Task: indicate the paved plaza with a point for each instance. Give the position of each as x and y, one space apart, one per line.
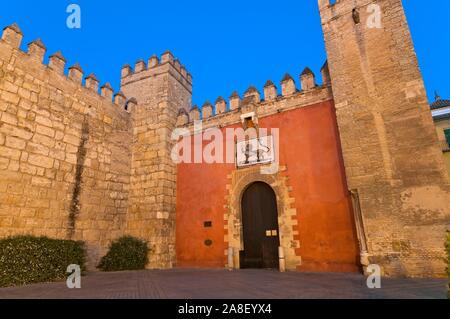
242 284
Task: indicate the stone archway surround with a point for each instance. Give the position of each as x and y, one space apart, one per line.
239 180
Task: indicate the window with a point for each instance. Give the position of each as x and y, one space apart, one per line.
447 136
248 123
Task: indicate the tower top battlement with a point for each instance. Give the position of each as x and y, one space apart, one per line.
332 9
156 65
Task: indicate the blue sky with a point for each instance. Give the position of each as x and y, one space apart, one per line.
226 45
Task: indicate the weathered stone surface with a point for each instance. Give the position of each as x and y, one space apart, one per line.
41 130
160 92
391 154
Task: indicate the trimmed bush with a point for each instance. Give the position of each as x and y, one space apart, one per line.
126 253
28 259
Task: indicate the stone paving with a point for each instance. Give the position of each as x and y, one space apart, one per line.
217 284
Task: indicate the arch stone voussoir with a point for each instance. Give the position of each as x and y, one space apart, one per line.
239 180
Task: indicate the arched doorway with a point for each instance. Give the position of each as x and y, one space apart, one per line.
260 227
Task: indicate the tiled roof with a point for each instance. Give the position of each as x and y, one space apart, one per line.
439 104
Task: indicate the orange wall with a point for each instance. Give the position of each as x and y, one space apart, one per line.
309 147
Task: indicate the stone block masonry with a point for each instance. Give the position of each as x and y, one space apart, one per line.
161 89
77 164
391 153
64 151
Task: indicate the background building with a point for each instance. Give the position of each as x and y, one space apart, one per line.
440 110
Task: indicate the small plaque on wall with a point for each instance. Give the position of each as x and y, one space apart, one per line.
207 224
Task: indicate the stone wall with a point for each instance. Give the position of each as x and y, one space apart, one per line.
161 88
64 150
391 153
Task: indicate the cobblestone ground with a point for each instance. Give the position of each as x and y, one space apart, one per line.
243 284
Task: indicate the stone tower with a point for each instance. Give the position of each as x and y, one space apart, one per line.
160 88
392 157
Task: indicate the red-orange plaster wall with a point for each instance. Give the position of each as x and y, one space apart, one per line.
310 149
201 195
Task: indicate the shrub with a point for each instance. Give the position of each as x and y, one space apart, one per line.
28 259
126 253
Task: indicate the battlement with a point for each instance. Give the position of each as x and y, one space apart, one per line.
156 65
12 36
332 9
270 101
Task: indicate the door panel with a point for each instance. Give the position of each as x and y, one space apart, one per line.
260 225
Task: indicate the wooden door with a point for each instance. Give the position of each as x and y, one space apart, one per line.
260 227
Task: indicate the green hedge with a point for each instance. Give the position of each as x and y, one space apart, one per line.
29 259
126 253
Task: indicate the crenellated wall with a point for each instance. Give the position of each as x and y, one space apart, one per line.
222 113
64 149
161 90
315 217
80 162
